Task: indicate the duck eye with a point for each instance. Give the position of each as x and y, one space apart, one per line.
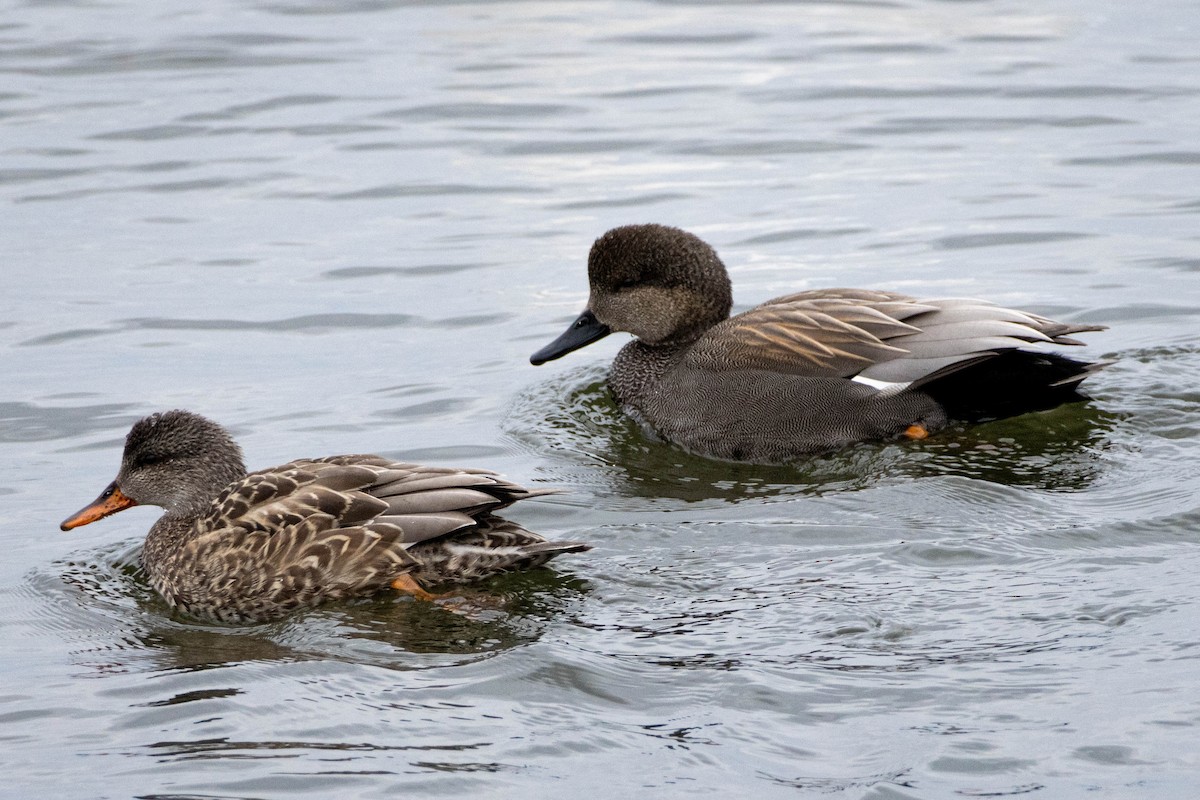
150 459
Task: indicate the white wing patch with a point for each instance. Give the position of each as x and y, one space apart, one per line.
883 386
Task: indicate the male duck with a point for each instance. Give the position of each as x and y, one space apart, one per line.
237 547
808 371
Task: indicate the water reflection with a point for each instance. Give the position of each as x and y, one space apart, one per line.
227 748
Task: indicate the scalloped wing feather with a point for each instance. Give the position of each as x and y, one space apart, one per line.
884 336
827 333
330 528
260 574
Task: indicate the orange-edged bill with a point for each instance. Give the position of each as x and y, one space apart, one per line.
110 501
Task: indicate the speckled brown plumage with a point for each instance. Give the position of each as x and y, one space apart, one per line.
808 371
238 547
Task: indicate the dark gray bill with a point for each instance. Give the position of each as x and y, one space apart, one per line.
583 331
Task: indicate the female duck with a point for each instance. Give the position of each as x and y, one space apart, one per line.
237 547
808 371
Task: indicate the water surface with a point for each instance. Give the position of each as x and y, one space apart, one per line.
344 228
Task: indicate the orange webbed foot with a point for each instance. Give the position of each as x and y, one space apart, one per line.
407 584
471 605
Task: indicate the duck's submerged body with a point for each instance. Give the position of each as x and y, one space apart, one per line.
805 372
753 414
237 547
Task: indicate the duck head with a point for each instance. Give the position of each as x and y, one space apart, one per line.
662 284
176 460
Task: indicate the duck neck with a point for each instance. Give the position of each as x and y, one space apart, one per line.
178 525
638 368
166 538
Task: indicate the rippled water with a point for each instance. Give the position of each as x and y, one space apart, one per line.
343 227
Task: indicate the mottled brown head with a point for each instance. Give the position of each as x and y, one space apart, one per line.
176 460
661 284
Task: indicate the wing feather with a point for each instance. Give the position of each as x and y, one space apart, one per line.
328 528
828 333
884 336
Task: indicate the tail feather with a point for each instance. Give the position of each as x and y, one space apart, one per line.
1089 369
1009 383
556 548
1058 331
